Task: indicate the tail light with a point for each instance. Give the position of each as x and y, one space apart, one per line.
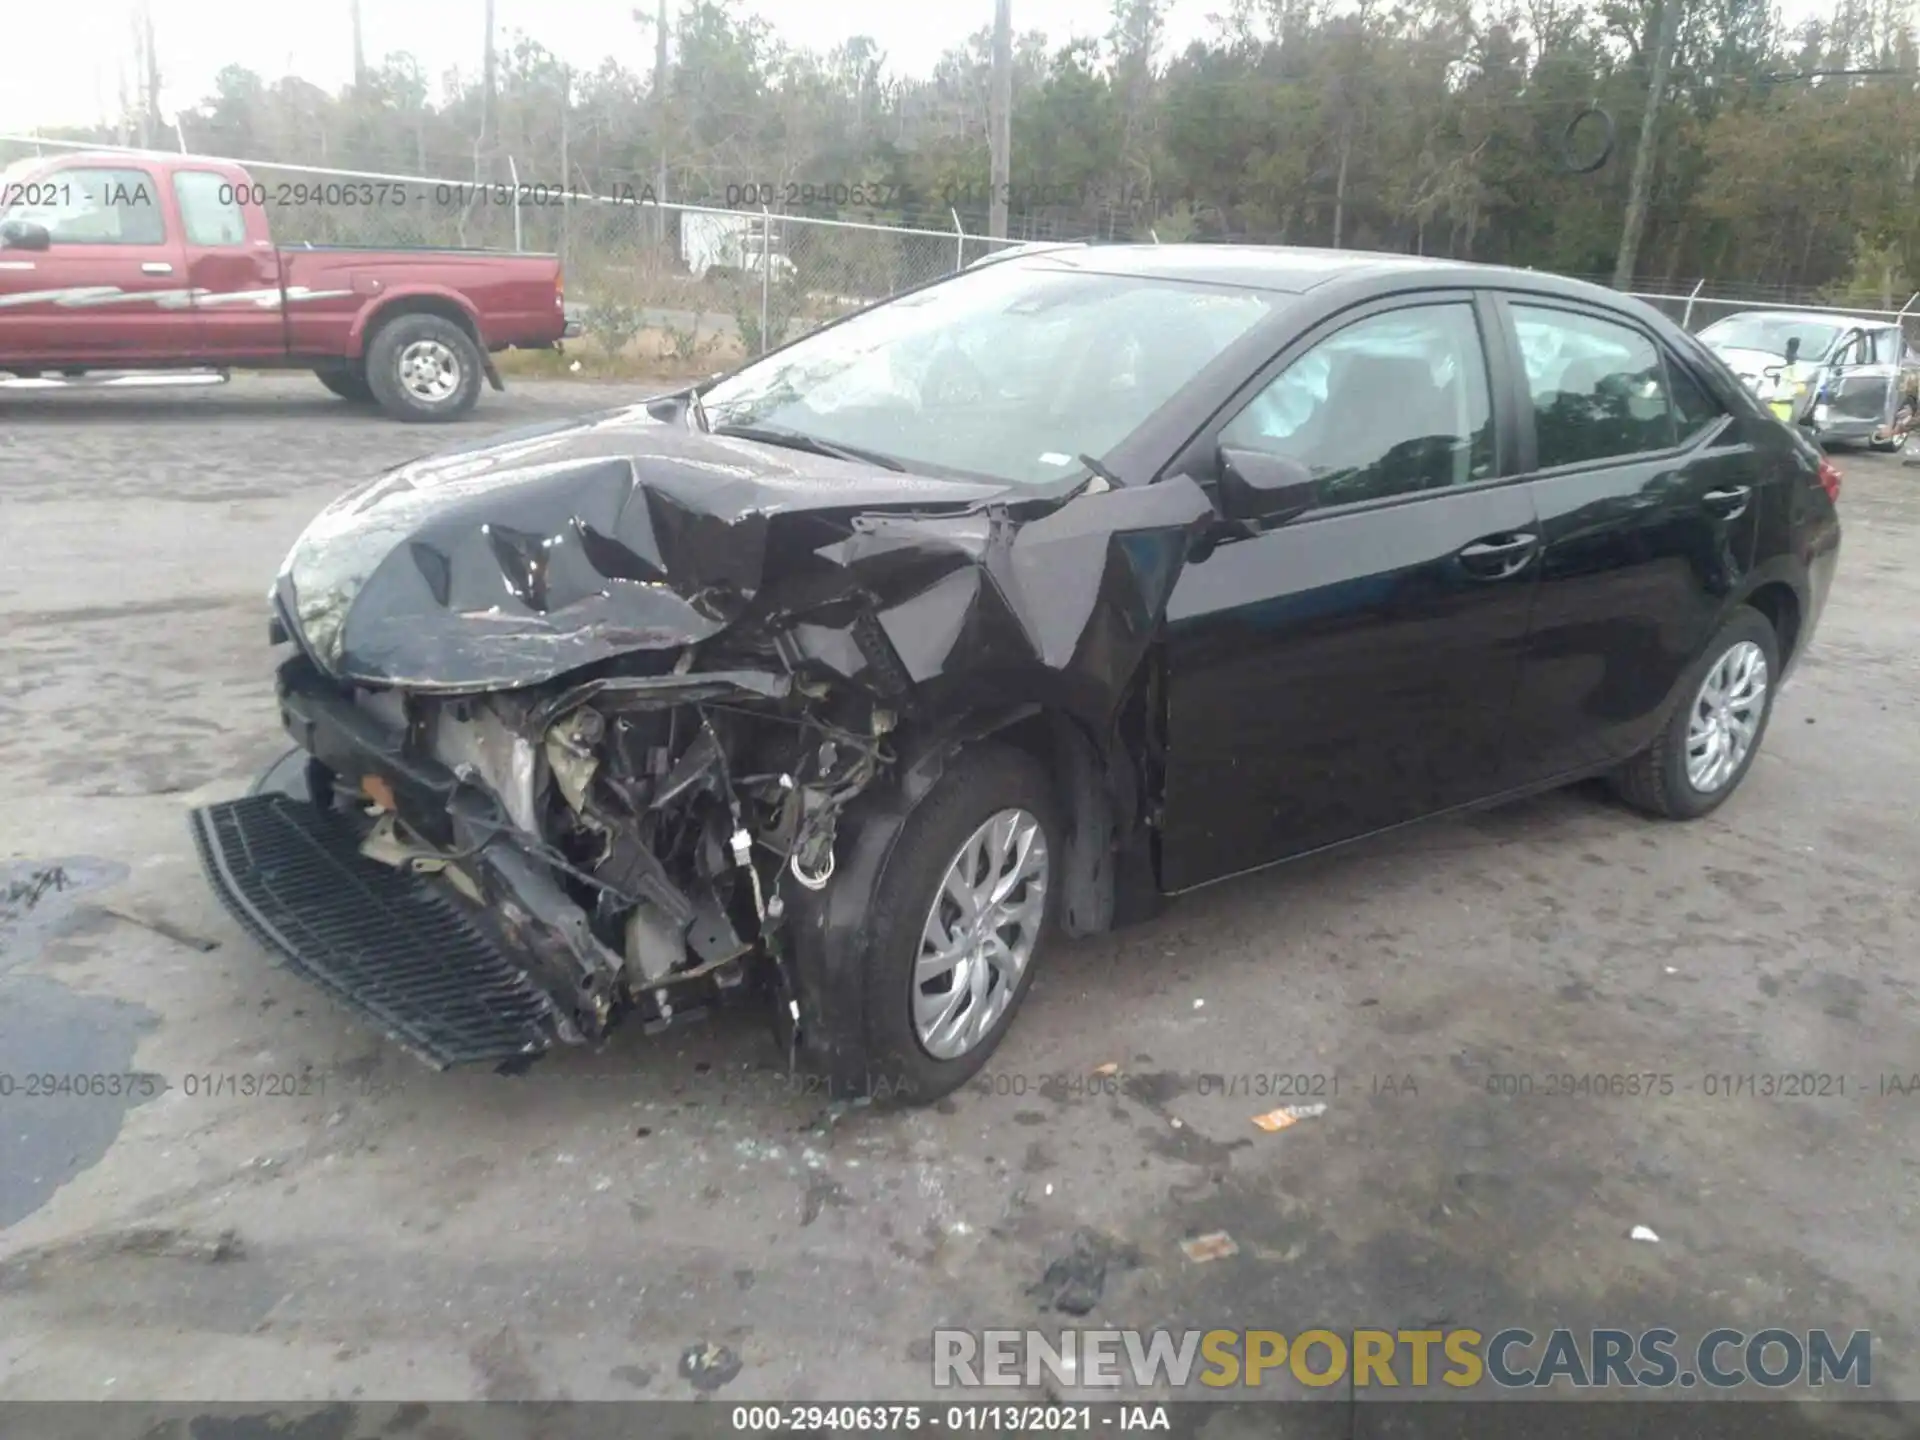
1830 478
559 291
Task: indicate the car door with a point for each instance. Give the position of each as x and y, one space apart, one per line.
231 266
1645 489
1352 668
1857 389
110 286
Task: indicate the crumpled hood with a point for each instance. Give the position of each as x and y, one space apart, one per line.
532 554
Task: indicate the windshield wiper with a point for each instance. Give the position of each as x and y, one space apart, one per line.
795 440
1106 477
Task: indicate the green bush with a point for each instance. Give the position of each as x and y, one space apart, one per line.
613 324
784 302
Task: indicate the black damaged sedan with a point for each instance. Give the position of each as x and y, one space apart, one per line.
1009 606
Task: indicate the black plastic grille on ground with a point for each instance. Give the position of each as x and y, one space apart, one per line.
380 940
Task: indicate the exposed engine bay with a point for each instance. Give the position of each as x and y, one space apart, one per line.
671 809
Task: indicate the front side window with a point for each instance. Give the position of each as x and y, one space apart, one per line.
1599 388
1853 350
1389 405
89 206
209 212
1012 372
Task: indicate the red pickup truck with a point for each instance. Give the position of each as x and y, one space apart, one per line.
129 262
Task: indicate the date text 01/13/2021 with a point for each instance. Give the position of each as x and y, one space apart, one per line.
144 1085
1012 1419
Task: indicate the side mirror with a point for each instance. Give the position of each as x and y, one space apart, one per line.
24 235
1267 488
1793 349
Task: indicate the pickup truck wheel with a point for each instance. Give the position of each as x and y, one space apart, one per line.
961 912
424 369
347 381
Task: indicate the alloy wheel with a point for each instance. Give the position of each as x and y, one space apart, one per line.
1726 715
980 934
429 370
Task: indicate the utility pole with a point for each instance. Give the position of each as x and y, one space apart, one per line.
147 62
1639 188
359 49
660 123
1000 138
489 82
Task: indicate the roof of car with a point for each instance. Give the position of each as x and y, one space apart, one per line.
1810 315
1289 269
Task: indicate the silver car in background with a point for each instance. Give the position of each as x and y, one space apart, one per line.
1843 377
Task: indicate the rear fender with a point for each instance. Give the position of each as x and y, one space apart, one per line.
413 299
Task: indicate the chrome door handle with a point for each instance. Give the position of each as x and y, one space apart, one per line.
155 267
1729 503
1498 556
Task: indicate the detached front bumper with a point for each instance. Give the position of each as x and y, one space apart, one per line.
453 981
390 945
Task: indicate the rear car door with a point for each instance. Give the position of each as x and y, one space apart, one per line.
232 266
110 286
1351 668
1646 492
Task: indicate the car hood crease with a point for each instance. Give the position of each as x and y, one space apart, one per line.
514 562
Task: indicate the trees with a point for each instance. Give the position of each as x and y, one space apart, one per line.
1426 125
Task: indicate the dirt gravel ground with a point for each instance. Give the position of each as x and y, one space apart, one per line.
387 1232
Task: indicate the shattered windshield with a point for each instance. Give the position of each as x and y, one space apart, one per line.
1770 334
1006 372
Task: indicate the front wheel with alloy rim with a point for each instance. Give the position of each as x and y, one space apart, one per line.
961 914
424 368
1708 744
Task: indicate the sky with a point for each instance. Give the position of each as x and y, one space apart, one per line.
49 77
60 62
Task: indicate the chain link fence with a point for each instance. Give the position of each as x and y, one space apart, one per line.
691 284
1704 304
679 283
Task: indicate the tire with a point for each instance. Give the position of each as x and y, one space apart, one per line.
349 382
1656 780
983 782
406 341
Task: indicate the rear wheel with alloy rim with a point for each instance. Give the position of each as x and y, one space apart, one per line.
1708 744
961 915
424 368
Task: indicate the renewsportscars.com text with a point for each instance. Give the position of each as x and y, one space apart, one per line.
1457 1358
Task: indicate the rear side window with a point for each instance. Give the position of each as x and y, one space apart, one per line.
1599 388
89 206
1886 347
209 212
